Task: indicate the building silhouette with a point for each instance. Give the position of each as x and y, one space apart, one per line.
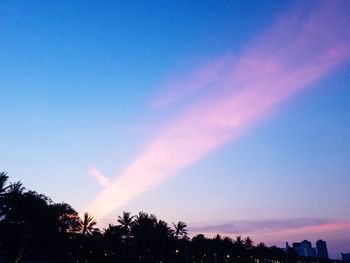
345 257
305 249
322 249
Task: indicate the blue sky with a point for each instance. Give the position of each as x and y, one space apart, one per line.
77 86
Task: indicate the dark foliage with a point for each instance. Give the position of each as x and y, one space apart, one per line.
33 228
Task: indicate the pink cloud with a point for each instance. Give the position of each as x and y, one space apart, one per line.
297 51
199 79
102 180
275 227
326 227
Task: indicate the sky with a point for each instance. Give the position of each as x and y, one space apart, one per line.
232 116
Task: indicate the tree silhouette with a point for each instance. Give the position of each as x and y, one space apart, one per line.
3 188
35 229
261 251
13 202
67 219
125 222
248 243
180 229
16 188
3 180
239 241
87 224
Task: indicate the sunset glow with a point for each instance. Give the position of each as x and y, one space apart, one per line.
229 117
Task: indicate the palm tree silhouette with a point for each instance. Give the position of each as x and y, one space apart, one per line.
3 188
3 180
16 188
248 243
33 227
126 222
12 200
239 246
180 229
87 224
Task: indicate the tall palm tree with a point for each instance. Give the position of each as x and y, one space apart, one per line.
87 224
180 229
125 220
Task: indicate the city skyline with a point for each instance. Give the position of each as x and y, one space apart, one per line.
233 116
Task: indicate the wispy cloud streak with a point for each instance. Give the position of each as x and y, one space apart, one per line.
102 180
302 47
248 227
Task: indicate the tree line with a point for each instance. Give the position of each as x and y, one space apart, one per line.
34 228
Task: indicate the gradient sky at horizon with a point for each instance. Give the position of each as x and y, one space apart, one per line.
78 83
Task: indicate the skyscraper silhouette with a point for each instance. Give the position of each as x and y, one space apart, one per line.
322 249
